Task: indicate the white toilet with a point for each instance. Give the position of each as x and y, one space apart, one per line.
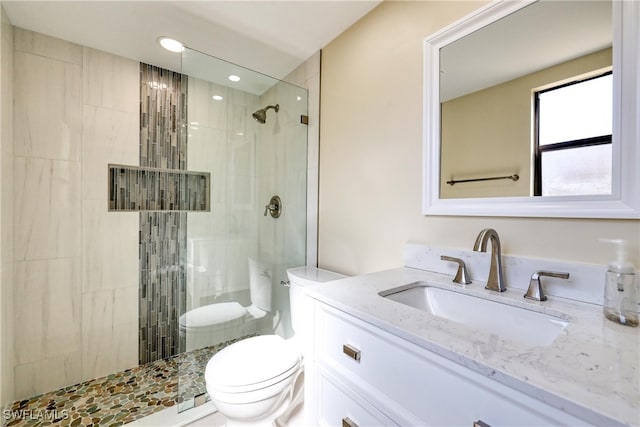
215 323
252 382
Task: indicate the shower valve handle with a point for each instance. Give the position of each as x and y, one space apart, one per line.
274 207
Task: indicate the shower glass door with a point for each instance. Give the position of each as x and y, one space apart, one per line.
245 129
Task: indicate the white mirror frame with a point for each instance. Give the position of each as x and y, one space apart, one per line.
624 203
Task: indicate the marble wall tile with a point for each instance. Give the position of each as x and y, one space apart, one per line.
110 81
47 107
109 248
109 331
208 153
108 136
6 211
6 195
49 374
203 109
239 250
307 75
237 116
238 97
206 268
208 224
47 315
50 47
46 209
282 169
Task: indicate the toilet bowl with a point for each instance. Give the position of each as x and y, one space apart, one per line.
219 322
254 381
265 384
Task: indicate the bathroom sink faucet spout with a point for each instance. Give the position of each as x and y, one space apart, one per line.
495 282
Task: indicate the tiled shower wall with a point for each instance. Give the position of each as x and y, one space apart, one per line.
282 170
307 75
223 142
76 265
163 235
6 210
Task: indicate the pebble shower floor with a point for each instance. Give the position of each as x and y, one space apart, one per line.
119 398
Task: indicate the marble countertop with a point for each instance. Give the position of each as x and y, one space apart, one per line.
590 371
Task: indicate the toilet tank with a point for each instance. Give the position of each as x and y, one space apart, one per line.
299 279
260 284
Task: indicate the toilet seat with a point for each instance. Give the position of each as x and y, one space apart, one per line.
252 364
212 314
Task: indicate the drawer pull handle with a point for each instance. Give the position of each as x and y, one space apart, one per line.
352 352
480 423
348 422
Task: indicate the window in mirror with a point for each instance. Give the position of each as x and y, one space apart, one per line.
573 138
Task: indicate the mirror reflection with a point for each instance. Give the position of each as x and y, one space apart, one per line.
526 104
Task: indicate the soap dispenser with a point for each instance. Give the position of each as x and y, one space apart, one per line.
620 288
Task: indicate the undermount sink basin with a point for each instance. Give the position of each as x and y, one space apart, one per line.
504 320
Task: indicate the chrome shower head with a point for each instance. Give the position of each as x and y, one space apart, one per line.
261 115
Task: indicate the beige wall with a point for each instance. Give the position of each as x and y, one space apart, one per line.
6 211
371 155
498 128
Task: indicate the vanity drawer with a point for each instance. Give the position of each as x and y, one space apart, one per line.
340 406
409 383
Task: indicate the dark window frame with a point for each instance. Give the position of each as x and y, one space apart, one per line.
563 145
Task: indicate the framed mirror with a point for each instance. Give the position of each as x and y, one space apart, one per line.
491 154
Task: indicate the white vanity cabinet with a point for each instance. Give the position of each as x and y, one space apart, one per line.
361 375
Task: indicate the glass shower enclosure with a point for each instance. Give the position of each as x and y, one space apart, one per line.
248 131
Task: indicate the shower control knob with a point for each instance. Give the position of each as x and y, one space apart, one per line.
274 207
285 284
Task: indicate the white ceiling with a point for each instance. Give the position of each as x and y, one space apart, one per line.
543 34
272 37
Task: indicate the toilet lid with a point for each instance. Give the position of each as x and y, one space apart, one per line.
212 314
252 363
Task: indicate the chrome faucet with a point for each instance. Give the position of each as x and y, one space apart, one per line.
462 276
535 291
495 282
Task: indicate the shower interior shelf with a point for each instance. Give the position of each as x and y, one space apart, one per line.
136 188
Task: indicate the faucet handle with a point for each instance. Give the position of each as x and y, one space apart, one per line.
462 276
535 291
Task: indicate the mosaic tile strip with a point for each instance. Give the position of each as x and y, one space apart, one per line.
119 398
147 189
163 118
163 235
163 256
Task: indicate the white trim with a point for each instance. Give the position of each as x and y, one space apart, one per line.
624 203
170 417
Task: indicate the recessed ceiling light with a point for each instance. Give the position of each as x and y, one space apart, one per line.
234 78
299 98
218 97
171 44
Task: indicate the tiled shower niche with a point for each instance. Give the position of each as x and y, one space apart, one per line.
148 189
